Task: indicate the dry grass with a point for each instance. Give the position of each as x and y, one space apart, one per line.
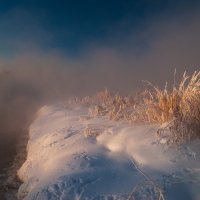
116 107
180 107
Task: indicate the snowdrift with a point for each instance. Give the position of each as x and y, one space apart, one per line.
75 156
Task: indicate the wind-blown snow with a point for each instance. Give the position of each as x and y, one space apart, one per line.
63 162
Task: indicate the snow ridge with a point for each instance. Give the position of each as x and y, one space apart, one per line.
65 161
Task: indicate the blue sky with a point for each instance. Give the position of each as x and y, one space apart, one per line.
72 26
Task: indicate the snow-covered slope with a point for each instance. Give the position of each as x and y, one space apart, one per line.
65 162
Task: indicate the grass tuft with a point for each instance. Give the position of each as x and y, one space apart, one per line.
178 108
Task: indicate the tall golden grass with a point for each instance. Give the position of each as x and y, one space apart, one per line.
179 107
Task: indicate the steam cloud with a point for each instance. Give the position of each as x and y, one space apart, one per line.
35 77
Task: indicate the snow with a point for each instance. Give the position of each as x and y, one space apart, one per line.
65 161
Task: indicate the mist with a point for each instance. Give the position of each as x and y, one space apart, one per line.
34 77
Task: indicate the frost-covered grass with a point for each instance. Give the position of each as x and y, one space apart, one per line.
178 109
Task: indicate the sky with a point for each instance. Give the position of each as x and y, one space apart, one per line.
70 27
51 50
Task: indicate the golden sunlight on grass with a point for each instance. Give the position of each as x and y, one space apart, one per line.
178 109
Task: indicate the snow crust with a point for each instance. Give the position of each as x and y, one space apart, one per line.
65 162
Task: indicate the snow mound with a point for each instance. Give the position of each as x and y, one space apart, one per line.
66 161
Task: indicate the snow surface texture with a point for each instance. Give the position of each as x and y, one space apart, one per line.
65 162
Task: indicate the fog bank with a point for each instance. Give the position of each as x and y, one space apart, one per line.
33 77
